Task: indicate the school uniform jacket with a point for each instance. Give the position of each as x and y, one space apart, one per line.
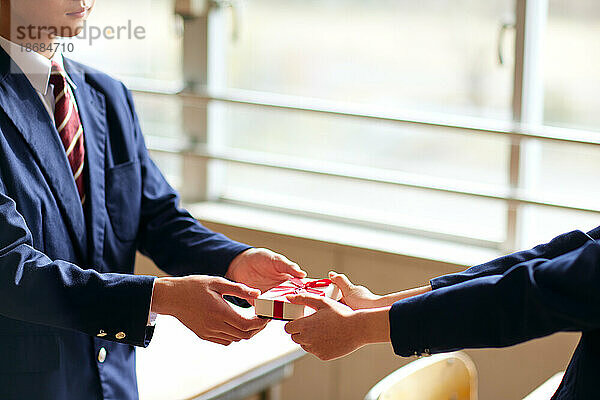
66 283
529 294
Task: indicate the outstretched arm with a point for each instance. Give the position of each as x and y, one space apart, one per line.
40 290
358 297
532 299
112 306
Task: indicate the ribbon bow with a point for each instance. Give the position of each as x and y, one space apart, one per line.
298 286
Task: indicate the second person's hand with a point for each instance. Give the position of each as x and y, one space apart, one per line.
197 301
335 330
359 297
354 296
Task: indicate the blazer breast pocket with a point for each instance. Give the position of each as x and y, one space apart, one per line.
29 353
124 198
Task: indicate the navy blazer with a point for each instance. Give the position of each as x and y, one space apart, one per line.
529 294
66 283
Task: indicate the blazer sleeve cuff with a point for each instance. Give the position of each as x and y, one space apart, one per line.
127 321
594 234
406 324
442 281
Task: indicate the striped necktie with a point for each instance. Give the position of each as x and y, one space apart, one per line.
68 125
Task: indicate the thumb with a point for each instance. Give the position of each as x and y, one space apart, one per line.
295 270
314 302
225 287
342 282
291 268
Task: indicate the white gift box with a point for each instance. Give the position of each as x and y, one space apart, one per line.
274 303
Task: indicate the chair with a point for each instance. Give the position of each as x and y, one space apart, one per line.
450 376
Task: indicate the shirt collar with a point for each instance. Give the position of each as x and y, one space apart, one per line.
35 66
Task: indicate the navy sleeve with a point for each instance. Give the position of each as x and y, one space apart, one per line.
559 245
532 299
168 234
594 233
36 289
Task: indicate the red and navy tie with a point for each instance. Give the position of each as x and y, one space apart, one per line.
68 124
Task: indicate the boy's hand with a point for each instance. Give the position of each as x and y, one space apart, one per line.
197 301
262 269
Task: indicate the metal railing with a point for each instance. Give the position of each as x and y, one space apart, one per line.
378 175
361 173
200 97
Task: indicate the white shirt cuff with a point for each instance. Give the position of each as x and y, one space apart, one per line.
151 315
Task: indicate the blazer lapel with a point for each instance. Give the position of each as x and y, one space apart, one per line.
25 109
92 111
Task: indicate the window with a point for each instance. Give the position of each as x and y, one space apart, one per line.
428 55
571 64
462 120
152 61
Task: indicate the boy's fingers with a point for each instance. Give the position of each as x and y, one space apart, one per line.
225 287
219 341
296 338
296 271
291 268
244 324
293 327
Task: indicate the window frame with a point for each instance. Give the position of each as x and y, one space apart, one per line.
205 158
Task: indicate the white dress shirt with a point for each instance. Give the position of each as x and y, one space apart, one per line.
37 69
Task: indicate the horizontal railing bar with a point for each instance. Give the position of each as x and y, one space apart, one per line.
151 86
174 145
363 174
465 240
361 111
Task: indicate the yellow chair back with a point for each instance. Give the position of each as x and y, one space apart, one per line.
450 376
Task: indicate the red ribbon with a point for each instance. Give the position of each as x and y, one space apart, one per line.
298 286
